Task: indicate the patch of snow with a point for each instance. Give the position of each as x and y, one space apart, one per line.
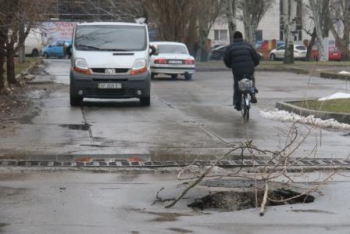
286 116
335 96
344 72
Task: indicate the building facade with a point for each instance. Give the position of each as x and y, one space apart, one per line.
270 27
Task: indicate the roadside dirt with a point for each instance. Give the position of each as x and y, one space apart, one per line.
13 103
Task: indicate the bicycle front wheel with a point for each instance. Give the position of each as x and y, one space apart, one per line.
245 114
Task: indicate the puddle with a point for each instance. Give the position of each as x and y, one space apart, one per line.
312 211
180 230
237 200
162 216
2 225
27 118
80 127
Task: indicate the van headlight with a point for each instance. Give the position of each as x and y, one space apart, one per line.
81 66
139 66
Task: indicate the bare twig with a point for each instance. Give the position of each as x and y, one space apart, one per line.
199 179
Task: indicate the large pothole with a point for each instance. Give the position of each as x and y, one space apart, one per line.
241 194
234 200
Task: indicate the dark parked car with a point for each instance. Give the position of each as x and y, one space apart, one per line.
217 53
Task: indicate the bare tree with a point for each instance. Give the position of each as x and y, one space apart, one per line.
106 10
186 21
231 8
340 24
207 13
14 15
171 17
252 13
320 16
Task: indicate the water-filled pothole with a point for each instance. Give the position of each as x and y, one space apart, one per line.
81 127
240 200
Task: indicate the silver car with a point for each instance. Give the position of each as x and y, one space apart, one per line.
278 53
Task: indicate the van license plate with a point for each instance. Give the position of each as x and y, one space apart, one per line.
109 85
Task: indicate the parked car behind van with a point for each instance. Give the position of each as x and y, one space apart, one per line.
33 43
56 48
173 59
110 60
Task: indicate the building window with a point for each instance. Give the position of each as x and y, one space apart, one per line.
259 35
220 35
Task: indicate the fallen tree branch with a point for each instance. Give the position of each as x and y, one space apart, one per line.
199 179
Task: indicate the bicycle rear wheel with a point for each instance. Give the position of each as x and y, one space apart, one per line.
245 114
245 107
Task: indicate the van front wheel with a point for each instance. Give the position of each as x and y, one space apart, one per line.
75 101
145 101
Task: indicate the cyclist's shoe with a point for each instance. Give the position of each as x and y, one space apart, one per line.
238 108
253 100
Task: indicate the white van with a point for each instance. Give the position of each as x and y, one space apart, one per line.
110 60
33 43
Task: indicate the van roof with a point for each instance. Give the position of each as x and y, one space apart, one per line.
112 23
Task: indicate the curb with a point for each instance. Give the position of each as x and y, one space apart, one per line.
340 117
330 75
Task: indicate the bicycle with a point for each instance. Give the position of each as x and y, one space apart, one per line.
246 87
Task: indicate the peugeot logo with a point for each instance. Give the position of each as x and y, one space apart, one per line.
109 71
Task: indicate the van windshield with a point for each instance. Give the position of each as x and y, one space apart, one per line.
110 37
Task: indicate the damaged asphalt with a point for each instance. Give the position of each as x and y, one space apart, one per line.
85 200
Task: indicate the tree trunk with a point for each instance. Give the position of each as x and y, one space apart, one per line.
345 54
249 27
21 52
316 11
231 17
288 43
10 65
2 59
191 40
2 78
311 44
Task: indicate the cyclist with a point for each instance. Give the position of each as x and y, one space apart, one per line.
242 58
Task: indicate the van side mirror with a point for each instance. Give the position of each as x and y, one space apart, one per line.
153 50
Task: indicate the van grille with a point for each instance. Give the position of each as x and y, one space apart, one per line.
117 70
110 92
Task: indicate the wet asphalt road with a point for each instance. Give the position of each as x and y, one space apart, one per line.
186 119
93 203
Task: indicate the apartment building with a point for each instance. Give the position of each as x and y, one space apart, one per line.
270 27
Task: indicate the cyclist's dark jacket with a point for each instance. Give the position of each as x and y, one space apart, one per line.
241 57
